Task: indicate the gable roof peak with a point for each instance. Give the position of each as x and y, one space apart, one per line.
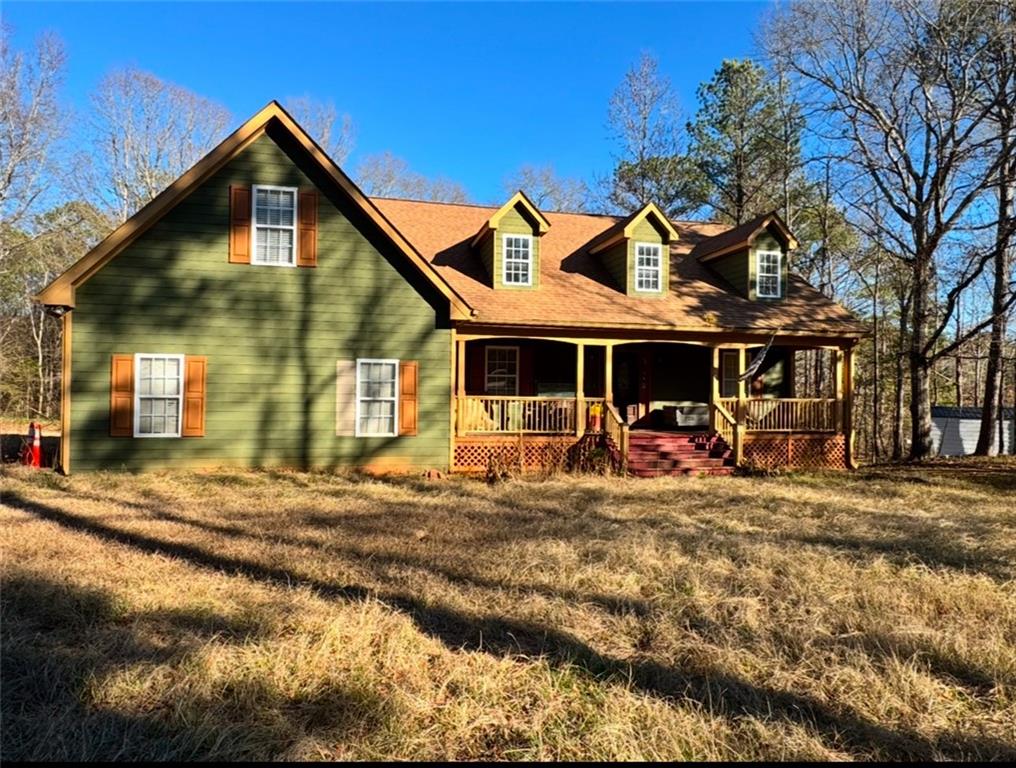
743 236
518 200
61 291
624 229
652 210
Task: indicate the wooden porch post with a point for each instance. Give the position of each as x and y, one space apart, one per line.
580 388
608 373
742 408
838 380
460 384
848 406
714 390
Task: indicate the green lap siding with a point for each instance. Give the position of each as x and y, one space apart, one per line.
734 268
621 261
514 223
738 268
616 261
272 335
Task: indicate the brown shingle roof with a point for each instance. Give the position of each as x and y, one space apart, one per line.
740 236
575 290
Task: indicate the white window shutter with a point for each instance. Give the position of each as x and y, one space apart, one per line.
345 398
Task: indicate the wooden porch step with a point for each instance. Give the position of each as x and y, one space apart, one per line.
659 454
672 461
682 472
715 452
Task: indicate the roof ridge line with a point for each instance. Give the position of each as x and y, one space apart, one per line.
494 207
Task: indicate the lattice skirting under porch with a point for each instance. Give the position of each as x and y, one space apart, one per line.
558 453
526 454
795 451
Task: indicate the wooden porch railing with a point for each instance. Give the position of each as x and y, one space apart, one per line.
617 431
726 418
489 414
791 415
764 414
733 418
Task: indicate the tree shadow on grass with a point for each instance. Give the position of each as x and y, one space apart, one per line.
950 668
713 689
904 537
989 475
62 642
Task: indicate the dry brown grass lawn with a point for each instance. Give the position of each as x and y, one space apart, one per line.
231 615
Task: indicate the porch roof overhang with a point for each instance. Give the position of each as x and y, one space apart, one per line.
635 333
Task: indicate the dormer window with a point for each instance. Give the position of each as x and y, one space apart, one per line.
508 244
274 226
518 259
750 257
767 274
648 267
636 252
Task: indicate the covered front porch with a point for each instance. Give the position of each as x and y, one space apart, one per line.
543 395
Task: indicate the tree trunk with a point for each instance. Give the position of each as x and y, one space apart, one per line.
958 367
898 400
1001 410
990 413
920 362
876 406
920 409
39 336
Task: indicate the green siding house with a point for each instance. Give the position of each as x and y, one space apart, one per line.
262 311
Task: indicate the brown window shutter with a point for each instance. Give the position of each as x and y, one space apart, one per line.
121 396
239 225
195 369
408 399
306 253
345 398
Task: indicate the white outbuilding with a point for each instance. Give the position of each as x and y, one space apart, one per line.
954 430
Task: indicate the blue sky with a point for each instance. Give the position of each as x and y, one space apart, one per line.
466 90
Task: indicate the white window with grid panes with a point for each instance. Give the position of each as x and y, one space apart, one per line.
648 266
517 257
377 388
274 232
767 274
158 395
501 371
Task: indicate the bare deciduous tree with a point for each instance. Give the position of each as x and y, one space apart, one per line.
31 124
387 175
898 84
1001 91
31 121
146 132
330 129
29 337
548 190
652 165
